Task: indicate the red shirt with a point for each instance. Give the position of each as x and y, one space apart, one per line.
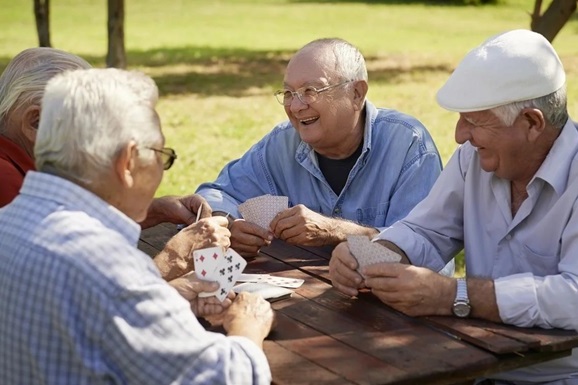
14 163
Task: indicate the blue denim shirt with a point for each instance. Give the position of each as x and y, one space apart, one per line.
398 165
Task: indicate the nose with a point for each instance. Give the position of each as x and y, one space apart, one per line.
463 131
297 105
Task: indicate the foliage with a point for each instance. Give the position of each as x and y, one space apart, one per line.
218 62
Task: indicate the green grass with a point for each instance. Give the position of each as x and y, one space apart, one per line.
218 62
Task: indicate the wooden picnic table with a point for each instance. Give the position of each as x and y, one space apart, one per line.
325 337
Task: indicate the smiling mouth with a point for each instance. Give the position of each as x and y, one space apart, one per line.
308 121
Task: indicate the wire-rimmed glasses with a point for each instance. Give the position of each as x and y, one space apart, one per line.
307 95
168 156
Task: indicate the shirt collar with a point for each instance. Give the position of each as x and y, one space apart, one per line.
556 167
16 155
73 197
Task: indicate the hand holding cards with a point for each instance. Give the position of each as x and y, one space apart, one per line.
211 264
368 253
261 210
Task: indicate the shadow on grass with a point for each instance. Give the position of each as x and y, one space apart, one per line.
208 71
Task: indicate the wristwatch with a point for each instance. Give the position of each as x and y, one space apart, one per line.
461 307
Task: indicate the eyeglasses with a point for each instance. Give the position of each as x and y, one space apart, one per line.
168 156
307 95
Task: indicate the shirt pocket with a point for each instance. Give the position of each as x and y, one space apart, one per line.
373 216
539 264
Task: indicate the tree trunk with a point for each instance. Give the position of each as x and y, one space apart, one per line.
116 56
555 17
41 14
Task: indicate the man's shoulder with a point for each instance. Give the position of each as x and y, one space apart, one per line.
391 125
385 116
280 137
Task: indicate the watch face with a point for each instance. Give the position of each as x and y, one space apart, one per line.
461 309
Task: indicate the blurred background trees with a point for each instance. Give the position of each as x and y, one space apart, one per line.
549 23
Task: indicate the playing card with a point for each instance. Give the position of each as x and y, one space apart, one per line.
226 274
206 261
292 283
262 209
269 292
251 277
368 253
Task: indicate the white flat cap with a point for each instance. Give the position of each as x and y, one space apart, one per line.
510 67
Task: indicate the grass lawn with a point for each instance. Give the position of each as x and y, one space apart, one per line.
218 62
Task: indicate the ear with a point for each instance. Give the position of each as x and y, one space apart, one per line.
125 162
30 120
359 92
535 122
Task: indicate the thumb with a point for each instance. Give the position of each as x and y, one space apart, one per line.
205 286
221 221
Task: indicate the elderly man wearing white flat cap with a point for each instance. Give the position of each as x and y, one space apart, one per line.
508 196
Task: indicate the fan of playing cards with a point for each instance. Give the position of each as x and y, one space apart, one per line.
211 264
368 253
261 210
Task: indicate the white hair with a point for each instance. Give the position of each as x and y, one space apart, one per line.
24 79
553 106
88 116
349 62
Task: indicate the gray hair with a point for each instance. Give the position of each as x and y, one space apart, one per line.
349 62
25 77
553 106
88 116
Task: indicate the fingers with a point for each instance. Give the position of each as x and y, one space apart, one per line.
189 286
247 238
281 216
342 271
285 224
206 210
211 306
217 221
385 269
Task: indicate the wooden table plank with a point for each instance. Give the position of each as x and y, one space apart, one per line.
291 368
324 337
500 338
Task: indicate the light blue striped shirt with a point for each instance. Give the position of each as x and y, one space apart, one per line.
80 304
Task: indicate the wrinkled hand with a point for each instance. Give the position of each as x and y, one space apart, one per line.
415 291
176 258
342 271
189 287
302 226
207 232
247 238
176 210
249 315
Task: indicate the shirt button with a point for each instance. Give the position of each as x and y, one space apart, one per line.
337 211
508 237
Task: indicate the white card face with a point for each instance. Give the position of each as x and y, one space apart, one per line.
261 210
292 283
206 261
251 277
226 273
269 292
368 253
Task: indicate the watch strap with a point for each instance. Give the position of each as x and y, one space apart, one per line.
462 291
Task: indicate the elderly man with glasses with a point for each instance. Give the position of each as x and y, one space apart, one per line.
79 302
346 166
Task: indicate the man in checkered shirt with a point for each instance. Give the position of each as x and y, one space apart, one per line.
79 303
